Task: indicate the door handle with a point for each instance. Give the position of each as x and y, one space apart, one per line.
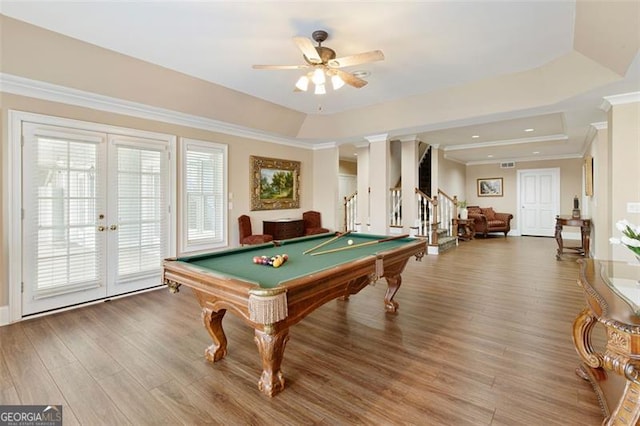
101 228
113 227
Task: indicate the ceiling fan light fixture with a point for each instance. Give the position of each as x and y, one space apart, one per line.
303 83
318 77
336 82
320 89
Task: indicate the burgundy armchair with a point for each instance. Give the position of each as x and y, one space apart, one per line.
313 223
247 236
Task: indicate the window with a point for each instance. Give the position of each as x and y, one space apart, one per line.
204 195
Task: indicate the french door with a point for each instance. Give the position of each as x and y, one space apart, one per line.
96 212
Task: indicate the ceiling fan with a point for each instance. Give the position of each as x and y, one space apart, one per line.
323 62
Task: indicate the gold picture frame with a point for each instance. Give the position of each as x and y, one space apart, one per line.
490 187
275 183
588 176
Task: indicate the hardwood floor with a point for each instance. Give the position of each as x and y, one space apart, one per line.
482 337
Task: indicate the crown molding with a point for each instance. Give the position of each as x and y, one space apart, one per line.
52 92
489 144
522 159
624 98
326 145
383 137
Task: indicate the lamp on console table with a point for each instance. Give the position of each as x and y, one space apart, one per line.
576 208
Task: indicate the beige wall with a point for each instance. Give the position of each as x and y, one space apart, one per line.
570 184
326 186
348 167
239 151
35 53
4 244
598 206
624 173
452 177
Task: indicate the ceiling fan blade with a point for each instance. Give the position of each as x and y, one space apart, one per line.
351 79
308 49
279 67
360 58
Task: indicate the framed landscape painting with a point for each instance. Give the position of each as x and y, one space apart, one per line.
490 187
275 183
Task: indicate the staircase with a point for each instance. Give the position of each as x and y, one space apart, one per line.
432 220
446 242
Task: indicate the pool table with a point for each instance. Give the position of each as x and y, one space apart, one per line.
273 299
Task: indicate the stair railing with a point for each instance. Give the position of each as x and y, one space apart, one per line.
395 198
427 221
433 213
448 210
350 212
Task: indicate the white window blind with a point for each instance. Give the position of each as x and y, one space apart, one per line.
141 217
204 207
65 197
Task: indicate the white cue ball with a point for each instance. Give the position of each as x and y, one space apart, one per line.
349 242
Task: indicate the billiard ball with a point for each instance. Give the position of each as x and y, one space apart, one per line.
350 242
257 259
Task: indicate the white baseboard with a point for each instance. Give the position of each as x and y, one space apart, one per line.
4 315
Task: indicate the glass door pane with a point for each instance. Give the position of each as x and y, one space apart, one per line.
138 206
63 186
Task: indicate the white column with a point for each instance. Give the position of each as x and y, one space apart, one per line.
409 169
363 187
379 183
598 204
325 185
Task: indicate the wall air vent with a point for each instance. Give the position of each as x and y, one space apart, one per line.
508 165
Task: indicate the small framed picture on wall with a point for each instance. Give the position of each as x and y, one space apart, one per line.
490 187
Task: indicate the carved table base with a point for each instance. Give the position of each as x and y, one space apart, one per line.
614 372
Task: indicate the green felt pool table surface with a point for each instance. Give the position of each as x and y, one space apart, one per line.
238 263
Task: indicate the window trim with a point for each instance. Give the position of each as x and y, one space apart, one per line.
184 246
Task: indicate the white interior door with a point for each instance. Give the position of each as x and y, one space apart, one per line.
539 195
95 215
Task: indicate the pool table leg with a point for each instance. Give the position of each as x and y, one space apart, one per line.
393 285
213 323
271 348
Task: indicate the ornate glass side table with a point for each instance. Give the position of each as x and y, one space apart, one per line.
612 292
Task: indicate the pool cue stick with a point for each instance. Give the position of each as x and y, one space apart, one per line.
326 242
360 245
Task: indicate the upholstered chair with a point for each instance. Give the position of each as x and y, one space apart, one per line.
486 220
246 235
313 223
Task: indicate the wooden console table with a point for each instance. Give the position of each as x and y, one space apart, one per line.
466 228
612 292
283 229
585 234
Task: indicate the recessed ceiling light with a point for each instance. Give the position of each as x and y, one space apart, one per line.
529 130
475 136
536 152
490 155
